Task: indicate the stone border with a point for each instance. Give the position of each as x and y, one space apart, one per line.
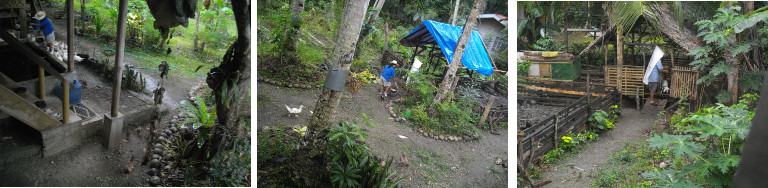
426 134
285 84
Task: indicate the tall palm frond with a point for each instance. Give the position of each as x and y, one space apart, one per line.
624 14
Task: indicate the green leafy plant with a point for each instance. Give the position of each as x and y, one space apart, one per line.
725 46
353 166
522 68
202 116
601 120
706 145
546 43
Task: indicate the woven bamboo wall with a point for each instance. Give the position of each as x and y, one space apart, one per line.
632 82
683 81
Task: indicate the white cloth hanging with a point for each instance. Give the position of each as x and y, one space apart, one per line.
655 57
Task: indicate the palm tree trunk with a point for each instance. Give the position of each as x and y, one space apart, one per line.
619 55
310 160
455 10
449 77
288 51
368 24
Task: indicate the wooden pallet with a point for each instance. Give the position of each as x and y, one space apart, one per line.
632 82
683 81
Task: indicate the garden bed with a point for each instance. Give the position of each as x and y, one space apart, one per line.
542 134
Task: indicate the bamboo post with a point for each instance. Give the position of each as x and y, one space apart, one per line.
619 56
65 100
487 109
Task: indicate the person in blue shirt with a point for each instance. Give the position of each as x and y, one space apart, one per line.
43 23
654 79
386 77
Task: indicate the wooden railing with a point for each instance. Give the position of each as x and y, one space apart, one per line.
535 141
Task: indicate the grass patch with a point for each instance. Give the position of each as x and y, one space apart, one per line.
624 166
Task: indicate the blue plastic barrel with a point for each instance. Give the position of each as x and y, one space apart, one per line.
75 94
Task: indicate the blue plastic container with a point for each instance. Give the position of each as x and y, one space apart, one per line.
75 93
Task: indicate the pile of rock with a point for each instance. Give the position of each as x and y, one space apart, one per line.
447 137
286 84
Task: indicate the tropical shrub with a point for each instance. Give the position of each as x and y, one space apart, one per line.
351 163
707 147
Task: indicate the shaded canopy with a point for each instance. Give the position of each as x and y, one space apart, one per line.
446 36
666 23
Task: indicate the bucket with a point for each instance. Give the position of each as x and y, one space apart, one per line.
75 92
335 79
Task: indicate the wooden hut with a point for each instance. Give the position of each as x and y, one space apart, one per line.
639 42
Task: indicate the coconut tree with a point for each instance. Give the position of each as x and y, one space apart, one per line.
288 50
310 160
450 75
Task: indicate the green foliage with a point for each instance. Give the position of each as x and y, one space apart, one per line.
279 144
546 43
706 145
720 33
522 68
352 165
232 167
569 144
602 121
202 116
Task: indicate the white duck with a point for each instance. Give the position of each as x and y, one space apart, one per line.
294 111
665 86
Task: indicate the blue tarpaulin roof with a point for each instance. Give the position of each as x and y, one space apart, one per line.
447 36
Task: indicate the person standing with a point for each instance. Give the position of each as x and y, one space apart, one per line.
386 77
654 79
42 22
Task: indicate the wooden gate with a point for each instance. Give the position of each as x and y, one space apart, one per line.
631 82
683 82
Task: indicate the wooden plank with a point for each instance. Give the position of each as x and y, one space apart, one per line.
560 91
545 71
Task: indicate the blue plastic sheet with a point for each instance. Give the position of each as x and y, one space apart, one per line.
447 36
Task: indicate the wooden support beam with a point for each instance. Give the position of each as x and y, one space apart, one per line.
31 55
487 109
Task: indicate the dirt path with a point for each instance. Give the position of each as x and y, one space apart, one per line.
574 171
433 163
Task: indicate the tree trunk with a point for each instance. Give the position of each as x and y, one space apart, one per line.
288 52
619 55
368 24
752 35
310 160
455 10
197 30
386 41
235 71
448 80
733 76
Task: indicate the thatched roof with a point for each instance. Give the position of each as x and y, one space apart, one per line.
666 23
